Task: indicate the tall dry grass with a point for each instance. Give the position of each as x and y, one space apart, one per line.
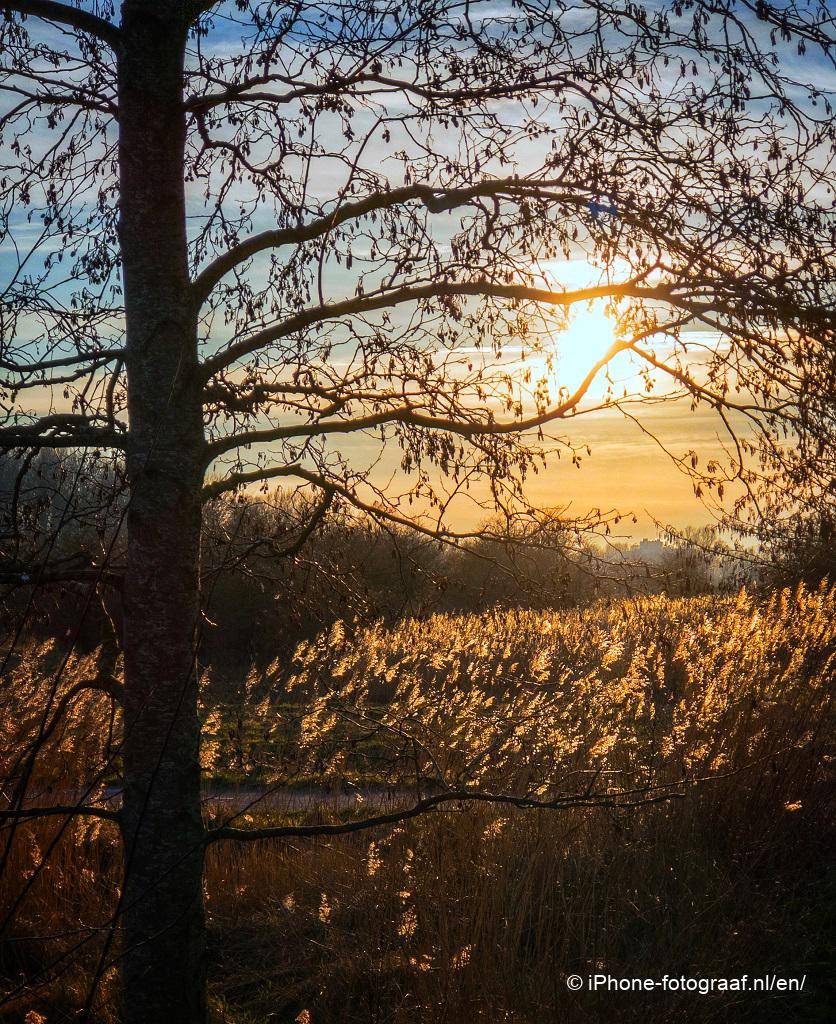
478 913
59 884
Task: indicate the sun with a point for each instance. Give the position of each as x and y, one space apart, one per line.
568 354
590 333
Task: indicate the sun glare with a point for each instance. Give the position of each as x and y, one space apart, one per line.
589 335
590 331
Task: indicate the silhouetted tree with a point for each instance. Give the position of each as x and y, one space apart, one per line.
238 237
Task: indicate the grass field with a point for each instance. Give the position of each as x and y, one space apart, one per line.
479 912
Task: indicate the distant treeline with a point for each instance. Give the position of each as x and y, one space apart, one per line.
278 568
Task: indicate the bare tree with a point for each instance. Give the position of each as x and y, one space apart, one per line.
238 237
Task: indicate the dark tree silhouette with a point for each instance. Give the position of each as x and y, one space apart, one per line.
239 236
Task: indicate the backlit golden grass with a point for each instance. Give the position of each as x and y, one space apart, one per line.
475 913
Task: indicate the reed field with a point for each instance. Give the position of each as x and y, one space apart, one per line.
700 730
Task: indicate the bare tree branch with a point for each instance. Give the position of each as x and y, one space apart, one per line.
68 811
436 200
60 430
388 299
631 798
72 17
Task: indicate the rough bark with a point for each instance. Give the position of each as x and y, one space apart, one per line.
163 974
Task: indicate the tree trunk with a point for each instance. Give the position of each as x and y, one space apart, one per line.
163 974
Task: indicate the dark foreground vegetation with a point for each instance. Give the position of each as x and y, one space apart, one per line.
275 572
478 912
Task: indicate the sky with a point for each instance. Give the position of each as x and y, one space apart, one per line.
627 470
